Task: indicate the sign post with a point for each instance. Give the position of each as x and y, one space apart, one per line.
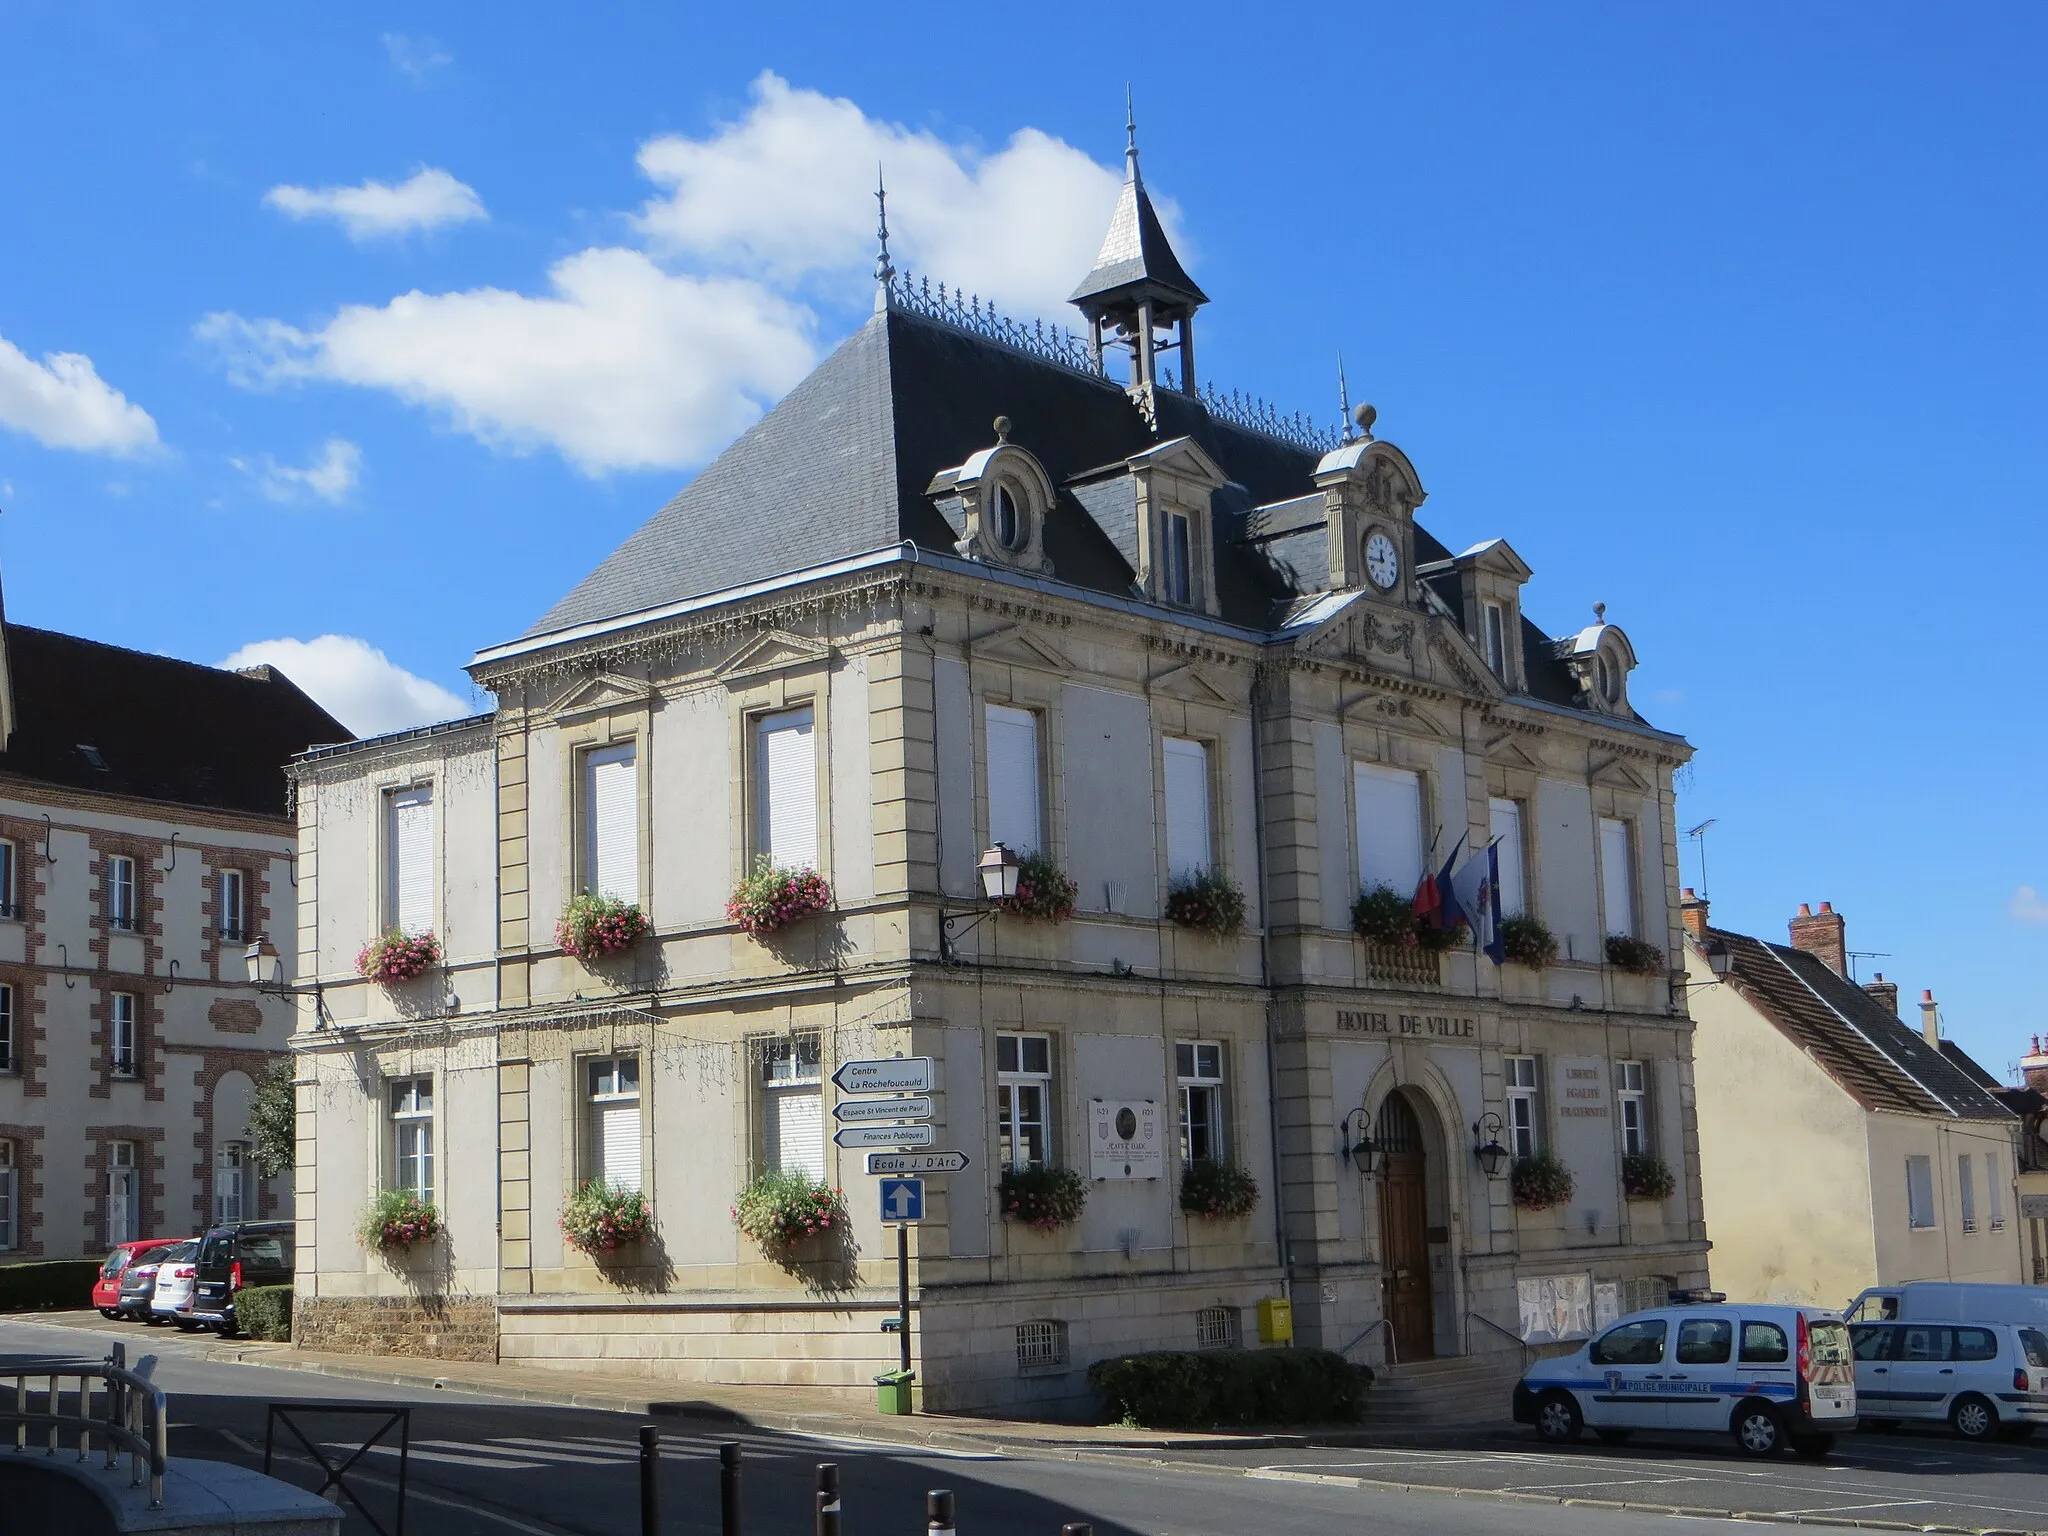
861 1116
903 1203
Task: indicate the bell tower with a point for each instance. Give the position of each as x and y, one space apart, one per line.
1138 296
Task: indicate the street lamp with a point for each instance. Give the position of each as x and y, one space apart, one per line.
999 869
266 974
1363 1153
1486 1145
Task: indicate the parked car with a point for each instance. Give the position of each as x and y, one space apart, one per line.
1770 1376
176 1272
106 1290
1951 1301
237 1254
1984 1379
138 1284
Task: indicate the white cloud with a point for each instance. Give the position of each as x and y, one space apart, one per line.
2026 905
355 682
416 57
330 477
622 366
62 402
428 199
786 194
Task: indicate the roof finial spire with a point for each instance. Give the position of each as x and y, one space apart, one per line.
1343 399
885 270
1130 138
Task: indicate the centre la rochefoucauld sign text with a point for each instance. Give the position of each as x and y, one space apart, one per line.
888 1074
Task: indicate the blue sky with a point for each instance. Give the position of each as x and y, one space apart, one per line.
1730 317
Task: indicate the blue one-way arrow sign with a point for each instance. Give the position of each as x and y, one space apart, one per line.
903 1199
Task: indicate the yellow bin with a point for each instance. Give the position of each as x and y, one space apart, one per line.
1276 1320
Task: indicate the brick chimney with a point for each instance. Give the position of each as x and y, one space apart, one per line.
2034 1068
1886 992
1930 1018
1692 911
1823 935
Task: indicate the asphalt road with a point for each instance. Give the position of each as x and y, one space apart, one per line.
480 1467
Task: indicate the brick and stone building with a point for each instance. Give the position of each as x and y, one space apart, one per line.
1840 1147
145 839
976 582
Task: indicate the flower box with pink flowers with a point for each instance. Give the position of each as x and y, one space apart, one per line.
598 927
772 898
398 957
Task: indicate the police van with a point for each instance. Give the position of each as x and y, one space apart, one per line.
1769 1376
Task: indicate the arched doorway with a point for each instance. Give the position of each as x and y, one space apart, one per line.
1405 1286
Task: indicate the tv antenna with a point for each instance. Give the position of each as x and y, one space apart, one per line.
1699 835
1865 954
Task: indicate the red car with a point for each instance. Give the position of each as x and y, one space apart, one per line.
106 1291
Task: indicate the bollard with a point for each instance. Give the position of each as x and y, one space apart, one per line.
828 1499
1077 1528
729 1489
650 1480
938 1512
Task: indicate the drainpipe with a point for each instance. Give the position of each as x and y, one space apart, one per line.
1266 989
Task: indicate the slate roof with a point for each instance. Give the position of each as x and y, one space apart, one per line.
841 467
1135 252
97 717
1857 1041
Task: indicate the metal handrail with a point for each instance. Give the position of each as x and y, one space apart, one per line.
133 1414
1393 1354
1507 1333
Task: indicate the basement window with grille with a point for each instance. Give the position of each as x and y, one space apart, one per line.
1216 1328
1041 1346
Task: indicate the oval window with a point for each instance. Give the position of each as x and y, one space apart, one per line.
1609 688
1009 519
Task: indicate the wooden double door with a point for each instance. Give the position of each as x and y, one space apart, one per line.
1405 1299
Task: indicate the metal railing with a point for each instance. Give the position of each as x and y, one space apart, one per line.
1509 1334
127 1410
1393 1355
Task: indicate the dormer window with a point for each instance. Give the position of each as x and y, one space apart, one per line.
1606 679
1180 580
1007 518
996 504
1496 639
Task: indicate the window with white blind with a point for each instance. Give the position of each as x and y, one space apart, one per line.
412 1136
786 789
614 1150
1966 1188
792 1105
1505 827
1632 1099
229 919
1994 1188
1187 808
231 1177
1919 1192
10 1210
409 857
1389 826
611 823
1617 875
123 1189
7 1058
121 1010
121 893
1014 817
1525 1122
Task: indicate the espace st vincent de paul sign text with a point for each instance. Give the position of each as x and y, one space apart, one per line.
1433 1026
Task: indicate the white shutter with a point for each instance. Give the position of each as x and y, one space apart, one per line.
1389 826
796 1130
1187 807
788 768
1617 889
412 860
121 1206
1013 816
618 1132
611 803
1506 829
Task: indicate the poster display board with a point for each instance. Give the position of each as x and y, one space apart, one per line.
1555 1307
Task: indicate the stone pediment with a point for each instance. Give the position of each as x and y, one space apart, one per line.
1454 652
1020 647
1185 457
1189 682
607 690
775 651
1615 773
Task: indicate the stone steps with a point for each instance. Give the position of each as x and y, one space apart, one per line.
1432 1394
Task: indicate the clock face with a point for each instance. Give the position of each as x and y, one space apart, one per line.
1382 561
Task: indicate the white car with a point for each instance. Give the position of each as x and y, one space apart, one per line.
177 1271
1771 1376
1984 1379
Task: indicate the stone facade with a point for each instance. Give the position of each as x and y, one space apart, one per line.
430 1328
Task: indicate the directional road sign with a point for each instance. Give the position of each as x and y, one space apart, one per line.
919 1162
918 1106
890 1074
882 1136
903 1199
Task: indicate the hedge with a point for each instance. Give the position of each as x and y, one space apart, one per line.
1172 1390
265 1312
65 1283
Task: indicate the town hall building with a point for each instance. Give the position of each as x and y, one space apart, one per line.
982 598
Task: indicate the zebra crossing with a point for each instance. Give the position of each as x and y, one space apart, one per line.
533 1453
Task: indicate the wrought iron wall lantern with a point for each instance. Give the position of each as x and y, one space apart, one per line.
1493 1157
999 869
266 974
1356 1145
